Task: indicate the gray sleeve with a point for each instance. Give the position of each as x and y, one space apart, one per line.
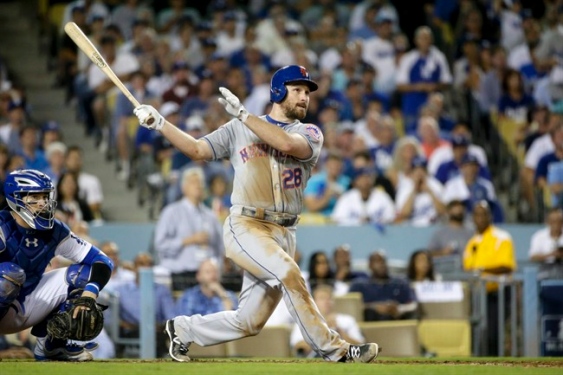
221 141
435 242
314 137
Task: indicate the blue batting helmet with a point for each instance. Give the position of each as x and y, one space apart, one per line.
286 75
23 182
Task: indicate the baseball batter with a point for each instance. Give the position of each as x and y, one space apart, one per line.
273 157
30 237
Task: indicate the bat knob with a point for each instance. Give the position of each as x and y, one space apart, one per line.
150 121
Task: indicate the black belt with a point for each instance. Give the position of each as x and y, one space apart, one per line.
280 218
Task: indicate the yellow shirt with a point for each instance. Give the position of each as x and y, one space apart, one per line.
492 249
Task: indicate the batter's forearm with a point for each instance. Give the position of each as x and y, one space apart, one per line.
278 138
185 143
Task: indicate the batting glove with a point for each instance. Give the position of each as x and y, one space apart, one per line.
232 104
149 117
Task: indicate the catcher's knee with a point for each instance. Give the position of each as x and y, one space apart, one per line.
77 275
12 278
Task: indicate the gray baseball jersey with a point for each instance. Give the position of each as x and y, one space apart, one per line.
266 178
270 180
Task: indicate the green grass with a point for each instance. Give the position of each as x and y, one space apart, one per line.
466 366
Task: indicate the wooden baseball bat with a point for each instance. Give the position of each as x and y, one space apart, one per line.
82 41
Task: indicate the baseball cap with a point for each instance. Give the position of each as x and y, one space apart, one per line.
51 126
180 65
229 16
194 123
357 172
469 158
15 105
204 26
419 162
169 108
382 17
209 42
460 140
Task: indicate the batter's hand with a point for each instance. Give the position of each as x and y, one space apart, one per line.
232 104
147 112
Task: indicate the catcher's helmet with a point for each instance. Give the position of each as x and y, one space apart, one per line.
22 182
289 74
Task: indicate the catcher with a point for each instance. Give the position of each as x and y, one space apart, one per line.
60 305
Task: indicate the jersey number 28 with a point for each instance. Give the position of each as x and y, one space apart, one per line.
292 178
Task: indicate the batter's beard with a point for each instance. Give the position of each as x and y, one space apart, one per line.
294 112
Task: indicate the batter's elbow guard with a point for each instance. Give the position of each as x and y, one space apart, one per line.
12 278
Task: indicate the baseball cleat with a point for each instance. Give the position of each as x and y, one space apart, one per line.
177 350
48 350
365 353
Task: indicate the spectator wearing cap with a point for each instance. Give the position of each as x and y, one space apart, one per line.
198 104
548 172
34 158
10 132
350 68
50 132
127 13
271 30
364 204
123 120
95 101
469 186
55 154
450 169
134 45
250 57
230 36
184 83
418 198
168 19
363 159
379 136
379 52
467 72
445 153
91 8
326 186
370 25
421 71
186 45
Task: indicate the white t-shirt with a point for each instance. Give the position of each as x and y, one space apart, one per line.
380 54
539 148
519 57
424 213
124 63
456 189
90 188
351 209
542 243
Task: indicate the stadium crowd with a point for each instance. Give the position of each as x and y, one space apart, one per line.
425 106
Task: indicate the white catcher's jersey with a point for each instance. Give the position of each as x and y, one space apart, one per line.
265 177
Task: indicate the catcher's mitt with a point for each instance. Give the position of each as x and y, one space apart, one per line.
86 326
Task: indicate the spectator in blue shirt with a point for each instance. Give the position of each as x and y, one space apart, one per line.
208 296
514 104
324 188
33 157
547 162
385 297
450 169
421 72
130 305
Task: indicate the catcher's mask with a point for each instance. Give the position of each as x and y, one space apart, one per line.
22 183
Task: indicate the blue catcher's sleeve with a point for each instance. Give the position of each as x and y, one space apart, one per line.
102 267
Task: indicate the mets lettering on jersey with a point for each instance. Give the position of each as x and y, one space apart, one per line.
257 150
